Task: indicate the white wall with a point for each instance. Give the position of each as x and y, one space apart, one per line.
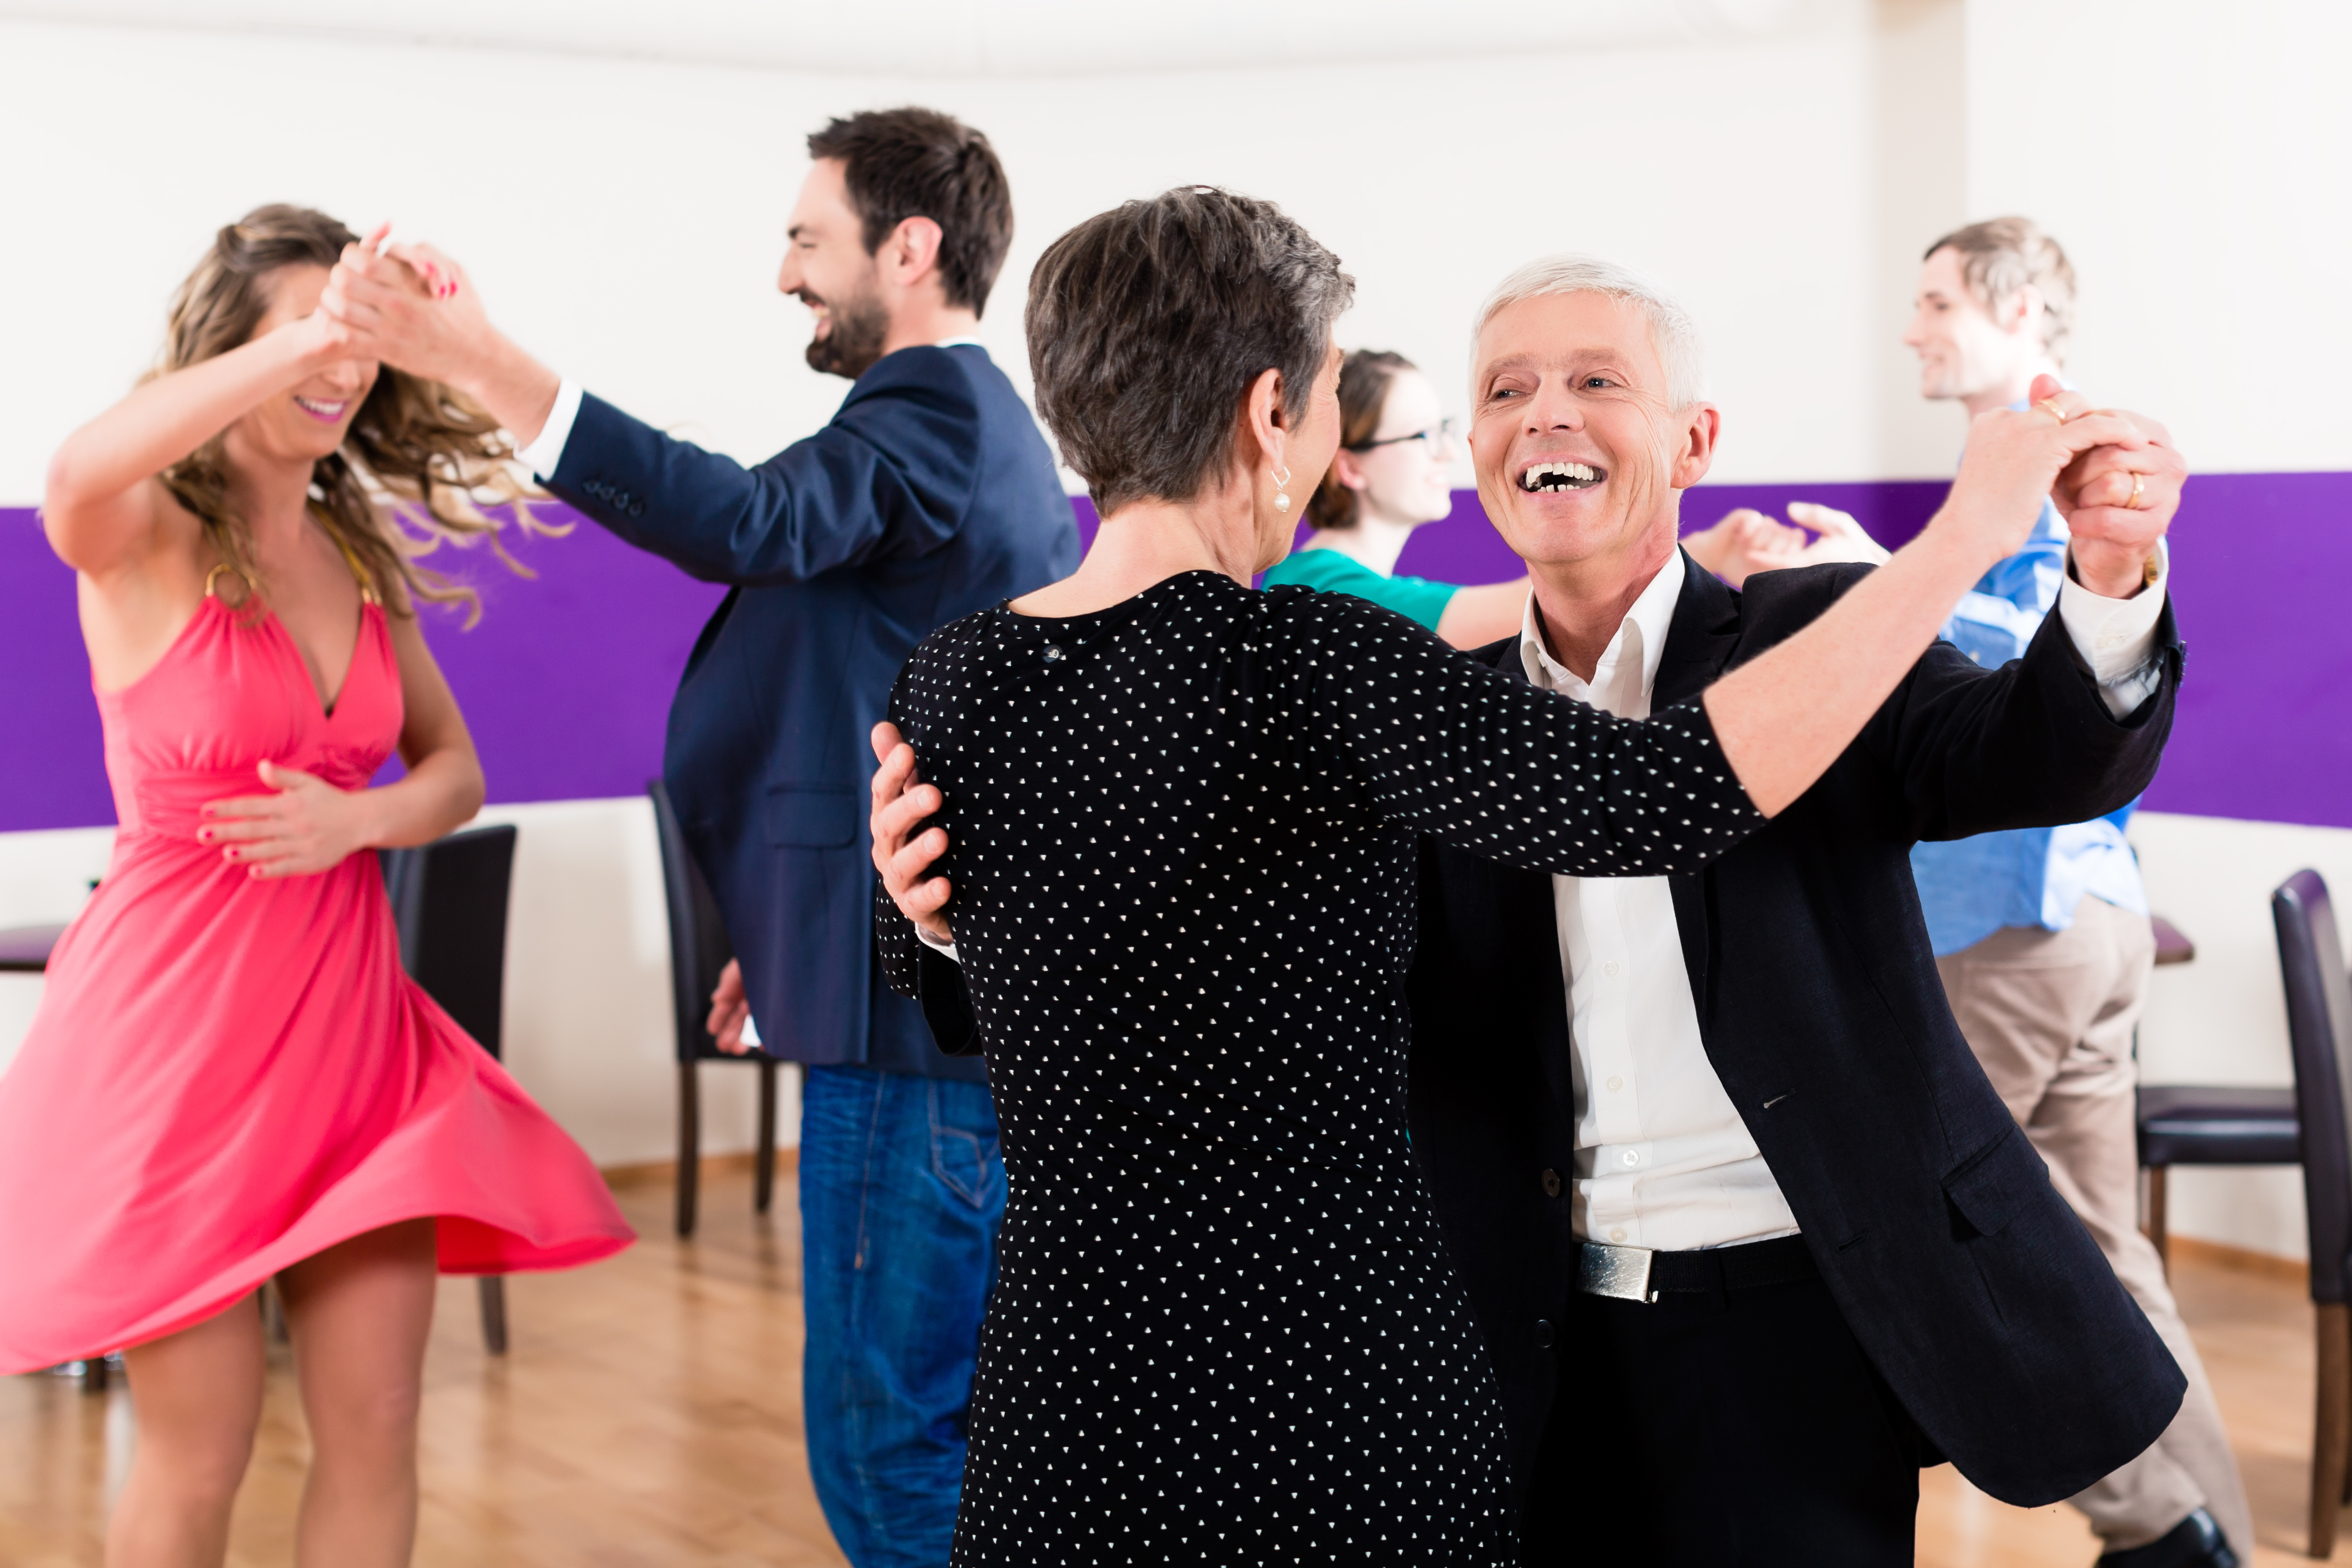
625 219
623 216
2194 159
587 1027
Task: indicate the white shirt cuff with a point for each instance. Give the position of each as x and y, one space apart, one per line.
2116 637
546 452
936 945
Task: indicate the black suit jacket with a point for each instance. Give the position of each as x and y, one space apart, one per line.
1971 1284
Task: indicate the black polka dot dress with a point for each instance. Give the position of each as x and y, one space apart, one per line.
1224 1331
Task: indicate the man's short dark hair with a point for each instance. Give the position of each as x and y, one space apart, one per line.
1147 325
918 163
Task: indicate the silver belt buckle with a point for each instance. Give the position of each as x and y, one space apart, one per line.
1620 1273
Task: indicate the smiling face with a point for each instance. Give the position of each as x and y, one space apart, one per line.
308 420
1400 479
1580 459
1963 351
827 267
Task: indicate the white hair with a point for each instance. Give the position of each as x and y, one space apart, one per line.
1673 333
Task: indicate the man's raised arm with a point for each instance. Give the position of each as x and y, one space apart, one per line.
889 476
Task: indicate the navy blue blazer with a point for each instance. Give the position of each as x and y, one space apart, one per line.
1971 1284
931 495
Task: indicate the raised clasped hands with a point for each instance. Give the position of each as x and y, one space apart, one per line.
900 804
304 827
2090 466
407 306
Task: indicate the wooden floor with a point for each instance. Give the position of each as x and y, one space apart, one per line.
649 1414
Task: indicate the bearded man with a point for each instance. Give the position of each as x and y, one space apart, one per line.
930 495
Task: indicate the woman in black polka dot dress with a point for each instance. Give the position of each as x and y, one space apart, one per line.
1180 816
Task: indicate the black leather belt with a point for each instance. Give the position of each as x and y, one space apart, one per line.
1639 1274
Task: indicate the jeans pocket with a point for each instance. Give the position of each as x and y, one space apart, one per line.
964 1156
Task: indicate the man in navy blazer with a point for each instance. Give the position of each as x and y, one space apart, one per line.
931 495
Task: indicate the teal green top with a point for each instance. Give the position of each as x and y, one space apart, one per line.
1414 598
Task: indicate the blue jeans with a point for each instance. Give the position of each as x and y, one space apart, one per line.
901 1189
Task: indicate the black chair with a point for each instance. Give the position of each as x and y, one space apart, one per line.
449 905
699 950
2319 1032
2206 1124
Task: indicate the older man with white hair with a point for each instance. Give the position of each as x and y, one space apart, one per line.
1749 1236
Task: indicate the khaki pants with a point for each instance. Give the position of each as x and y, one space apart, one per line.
2049 1014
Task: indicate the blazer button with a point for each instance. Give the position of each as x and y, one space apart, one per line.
1543 1333
1551 1184
637 509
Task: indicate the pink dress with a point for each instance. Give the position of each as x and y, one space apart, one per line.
227 1076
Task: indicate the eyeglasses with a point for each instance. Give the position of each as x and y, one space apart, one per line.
1438 434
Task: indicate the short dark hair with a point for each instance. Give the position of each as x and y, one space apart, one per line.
1148 324
918 163
2002 255
1365 377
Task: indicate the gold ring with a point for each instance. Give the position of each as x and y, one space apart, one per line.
2050 405
2137 486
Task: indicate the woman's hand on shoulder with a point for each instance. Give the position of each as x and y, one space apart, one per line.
303 826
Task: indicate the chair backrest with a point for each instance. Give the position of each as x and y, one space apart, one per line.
699 948
449 905
2319 1030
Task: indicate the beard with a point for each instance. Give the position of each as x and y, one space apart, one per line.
855 340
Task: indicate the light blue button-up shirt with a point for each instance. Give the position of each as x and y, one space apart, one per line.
1971 887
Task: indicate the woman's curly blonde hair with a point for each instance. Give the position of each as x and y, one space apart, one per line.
416 464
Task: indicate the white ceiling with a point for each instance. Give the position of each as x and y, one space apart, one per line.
990 37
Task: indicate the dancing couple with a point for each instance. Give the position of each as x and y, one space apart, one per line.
1708 1232
230 1078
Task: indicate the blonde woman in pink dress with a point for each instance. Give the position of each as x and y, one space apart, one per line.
230 1078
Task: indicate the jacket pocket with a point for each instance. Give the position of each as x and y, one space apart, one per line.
807 818
1991 1185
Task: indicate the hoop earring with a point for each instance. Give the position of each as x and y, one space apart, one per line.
1282 489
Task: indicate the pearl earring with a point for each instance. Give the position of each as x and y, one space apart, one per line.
1282 490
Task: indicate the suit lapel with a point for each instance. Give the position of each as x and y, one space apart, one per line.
1699 644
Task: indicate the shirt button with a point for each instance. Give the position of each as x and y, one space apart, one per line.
1543 1333
1551 1184
1631 1158
1615 1084
1610 968
1052 653
1617 1233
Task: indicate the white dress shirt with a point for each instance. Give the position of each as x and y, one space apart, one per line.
545 450
1662 1160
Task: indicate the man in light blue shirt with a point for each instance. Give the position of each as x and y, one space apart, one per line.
2043 935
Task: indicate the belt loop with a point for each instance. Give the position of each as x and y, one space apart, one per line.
1719 1295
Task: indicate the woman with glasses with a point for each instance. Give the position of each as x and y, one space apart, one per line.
1389 477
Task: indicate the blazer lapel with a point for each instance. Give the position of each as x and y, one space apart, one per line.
1699 644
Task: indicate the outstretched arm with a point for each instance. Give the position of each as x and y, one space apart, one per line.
1784 718
892 475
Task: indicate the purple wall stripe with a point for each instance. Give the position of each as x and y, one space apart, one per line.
566 682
